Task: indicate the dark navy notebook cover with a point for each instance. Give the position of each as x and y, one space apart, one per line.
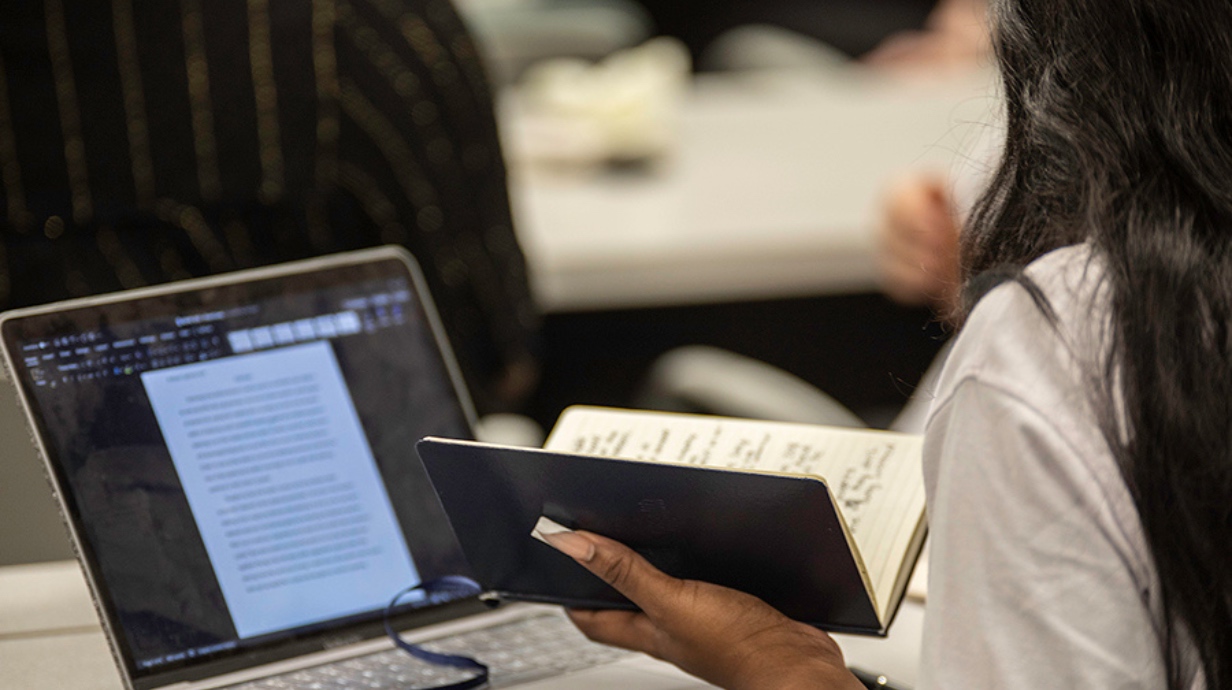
777 537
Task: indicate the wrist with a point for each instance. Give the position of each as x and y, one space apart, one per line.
808 667
816 676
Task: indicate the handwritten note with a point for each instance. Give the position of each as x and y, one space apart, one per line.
875 476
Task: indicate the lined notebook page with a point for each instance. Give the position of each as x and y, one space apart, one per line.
875 476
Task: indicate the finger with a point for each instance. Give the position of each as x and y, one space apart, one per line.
903 249
928 210
898 48
904 288
915 213
921 245
919 279
621 567
625 629
897 261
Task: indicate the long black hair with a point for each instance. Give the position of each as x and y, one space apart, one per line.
1119 133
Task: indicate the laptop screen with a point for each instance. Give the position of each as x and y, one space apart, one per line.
238 459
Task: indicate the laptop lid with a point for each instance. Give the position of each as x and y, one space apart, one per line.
235 457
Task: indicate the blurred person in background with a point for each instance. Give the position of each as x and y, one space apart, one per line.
143 142
885 33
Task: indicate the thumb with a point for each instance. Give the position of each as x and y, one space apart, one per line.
616 564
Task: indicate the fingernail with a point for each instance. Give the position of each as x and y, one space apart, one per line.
563 539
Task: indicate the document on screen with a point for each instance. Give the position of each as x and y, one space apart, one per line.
283 486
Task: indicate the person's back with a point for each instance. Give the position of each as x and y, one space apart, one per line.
1041 575
145 142
1119 137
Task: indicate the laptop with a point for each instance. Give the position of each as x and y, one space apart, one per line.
235 459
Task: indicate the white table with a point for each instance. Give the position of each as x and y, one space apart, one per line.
51 638
772 191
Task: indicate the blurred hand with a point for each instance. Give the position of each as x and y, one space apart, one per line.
917 51
918 244
725 637
955 36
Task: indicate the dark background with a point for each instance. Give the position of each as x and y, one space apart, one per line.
862 349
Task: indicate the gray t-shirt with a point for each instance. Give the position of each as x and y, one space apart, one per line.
1039 573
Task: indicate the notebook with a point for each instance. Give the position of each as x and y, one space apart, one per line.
235 460
777 536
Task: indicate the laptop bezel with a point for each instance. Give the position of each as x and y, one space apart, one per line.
276 651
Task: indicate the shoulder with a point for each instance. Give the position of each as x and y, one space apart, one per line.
1027 366
1041 342
1030 366
1019 340
1034 536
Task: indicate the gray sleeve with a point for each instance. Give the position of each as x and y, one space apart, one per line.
1032 581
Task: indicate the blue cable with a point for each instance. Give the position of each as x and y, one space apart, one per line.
453 585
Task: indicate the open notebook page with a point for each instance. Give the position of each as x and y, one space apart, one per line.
875 476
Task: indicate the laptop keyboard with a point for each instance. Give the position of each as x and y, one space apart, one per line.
519 651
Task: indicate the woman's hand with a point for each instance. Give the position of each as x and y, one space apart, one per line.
918 244
725 637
